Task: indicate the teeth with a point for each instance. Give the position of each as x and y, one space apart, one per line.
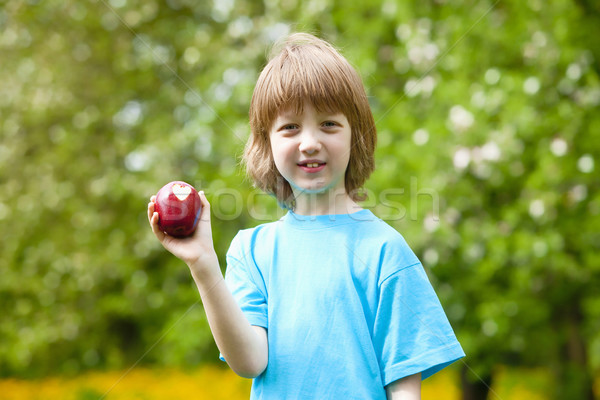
312 165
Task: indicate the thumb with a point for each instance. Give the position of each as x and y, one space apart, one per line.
204 214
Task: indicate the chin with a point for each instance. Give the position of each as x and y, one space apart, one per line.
308 189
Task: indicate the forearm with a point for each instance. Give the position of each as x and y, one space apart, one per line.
407 388
244 347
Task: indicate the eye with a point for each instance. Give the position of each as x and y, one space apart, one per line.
288 129
331 125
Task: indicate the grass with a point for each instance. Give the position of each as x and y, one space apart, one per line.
216 383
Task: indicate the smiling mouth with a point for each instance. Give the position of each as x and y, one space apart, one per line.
311 163
312 166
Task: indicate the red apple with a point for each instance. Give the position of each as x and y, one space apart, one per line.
178 207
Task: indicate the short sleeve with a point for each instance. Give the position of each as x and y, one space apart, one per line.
411 331
244 280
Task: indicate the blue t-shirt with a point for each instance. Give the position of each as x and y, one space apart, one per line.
347 306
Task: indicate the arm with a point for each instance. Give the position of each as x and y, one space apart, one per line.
244 346
407 388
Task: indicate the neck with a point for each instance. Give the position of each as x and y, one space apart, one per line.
327 203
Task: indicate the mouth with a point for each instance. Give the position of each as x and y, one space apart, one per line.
312 165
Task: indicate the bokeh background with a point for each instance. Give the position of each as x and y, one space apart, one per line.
488 125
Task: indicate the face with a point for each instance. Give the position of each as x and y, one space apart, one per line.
311 150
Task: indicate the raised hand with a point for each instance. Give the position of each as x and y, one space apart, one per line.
197 251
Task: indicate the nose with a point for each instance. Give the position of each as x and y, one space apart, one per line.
309 142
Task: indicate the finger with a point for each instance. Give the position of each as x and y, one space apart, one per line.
204 201
205 214
206 229
153 198
150 211
154 224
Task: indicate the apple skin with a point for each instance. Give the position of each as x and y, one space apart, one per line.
178 206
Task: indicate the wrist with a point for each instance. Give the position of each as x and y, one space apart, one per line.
205 271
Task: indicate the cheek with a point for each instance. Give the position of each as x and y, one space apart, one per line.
344 149
278 154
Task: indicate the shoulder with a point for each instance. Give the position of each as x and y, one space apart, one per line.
395 253
381 232
245 240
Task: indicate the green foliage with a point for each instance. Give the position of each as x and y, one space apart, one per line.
486 162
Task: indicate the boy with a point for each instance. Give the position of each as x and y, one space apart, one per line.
329 301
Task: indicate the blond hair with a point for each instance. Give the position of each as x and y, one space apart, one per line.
306 68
